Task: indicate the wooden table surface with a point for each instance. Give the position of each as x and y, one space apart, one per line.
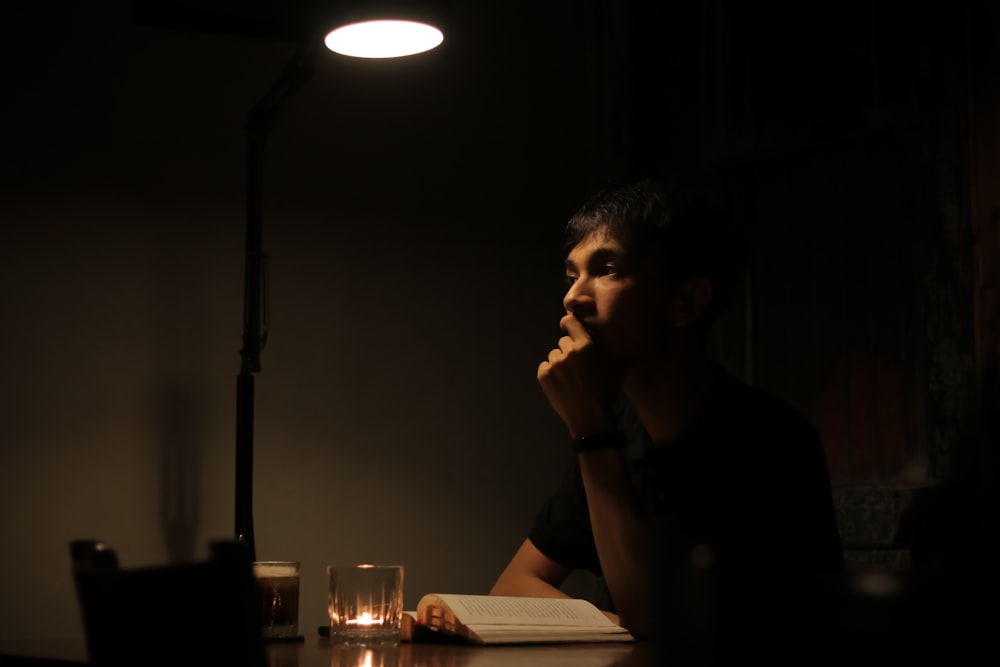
318 651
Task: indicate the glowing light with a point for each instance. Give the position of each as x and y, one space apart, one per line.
383 39
365 619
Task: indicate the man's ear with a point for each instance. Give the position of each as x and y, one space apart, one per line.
691 298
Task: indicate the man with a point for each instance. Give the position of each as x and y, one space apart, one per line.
676 461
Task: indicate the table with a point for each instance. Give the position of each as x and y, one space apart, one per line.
318 652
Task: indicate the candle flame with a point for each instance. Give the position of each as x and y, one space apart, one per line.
365 619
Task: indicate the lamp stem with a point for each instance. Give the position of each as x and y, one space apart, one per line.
255 300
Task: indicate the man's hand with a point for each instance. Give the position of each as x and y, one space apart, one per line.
580 381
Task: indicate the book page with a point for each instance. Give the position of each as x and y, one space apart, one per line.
473 610
520 634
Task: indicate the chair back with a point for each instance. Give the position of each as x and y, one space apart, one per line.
202 612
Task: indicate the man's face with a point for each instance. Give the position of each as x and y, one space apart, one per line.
617 297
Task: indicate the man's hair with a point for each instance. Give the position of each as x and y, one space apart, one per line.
688 234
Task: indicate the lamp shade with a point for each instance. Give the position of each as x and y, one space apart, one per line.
383 38
386 28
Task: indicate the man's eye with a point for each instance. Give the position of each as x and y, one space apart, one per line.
570 279
609 270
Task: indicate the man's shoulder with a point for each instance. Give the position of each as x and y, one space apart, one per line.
751 407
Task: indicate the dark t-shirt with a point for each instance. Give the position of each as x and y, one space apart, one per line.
748 479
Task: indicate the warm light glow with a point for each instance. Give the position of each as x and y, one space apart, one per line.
383 39
365 619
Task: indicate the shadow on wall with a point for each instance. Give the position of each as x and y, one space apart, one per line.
180 426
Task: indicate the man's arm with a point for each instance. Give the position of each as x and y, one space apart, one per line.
581 385
530 573
620 537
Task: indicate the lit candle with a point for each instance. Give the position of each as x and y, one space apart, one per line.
365 619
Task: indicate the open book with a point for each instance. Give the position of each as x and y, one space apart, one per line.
494 619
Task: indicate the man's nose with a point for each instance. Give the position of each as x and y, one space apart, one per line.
578 297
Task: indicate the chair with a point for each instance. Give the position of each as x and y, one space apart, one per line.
202 612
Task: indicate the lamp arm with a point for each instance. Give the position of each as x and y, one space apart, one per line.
296 72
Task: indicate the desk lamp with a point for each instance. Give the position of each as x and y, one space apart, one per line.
366 31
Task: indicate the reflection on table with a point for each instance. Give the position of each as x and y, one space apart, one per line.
319 652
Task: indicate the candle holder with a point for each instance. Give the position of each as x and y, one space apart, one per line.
365 604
